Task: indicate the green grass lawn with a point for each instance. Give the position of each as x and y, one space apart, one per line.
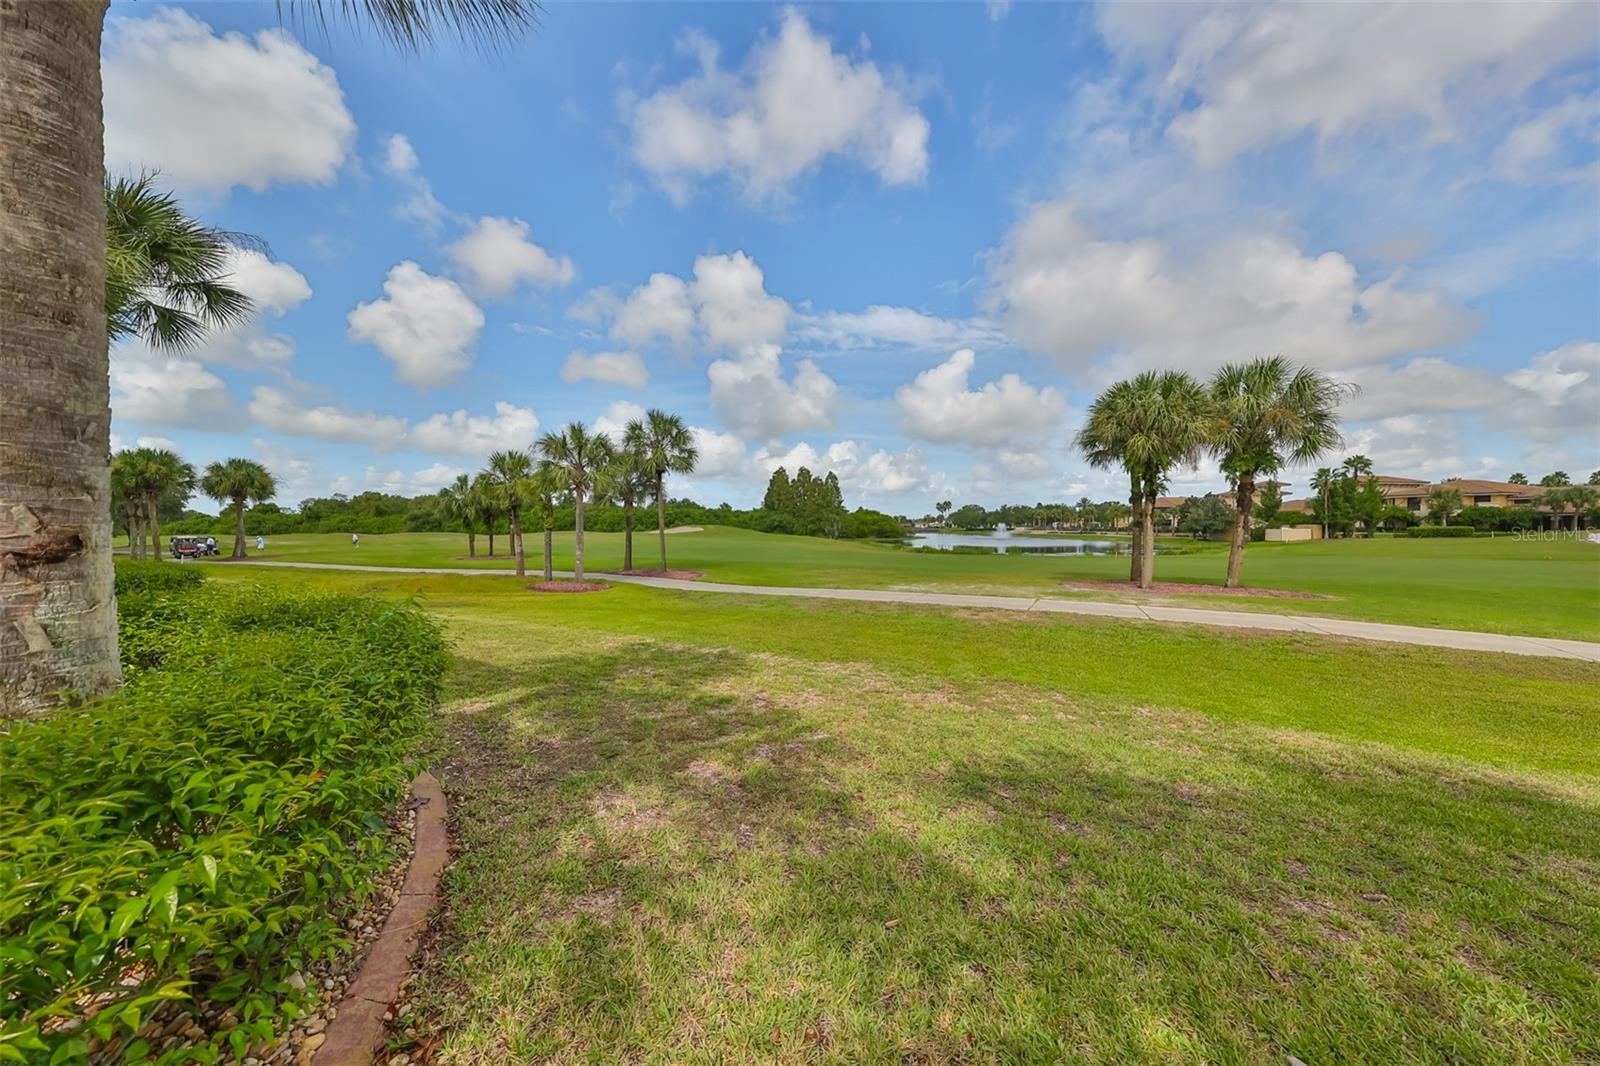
708 828
1538 588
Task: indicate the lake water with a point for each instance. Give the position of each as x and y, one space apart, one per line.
1002 541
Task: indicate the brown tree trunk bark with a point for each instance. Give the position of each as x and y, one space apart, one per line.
549 552
577 536
58 615
516 541
661 519
491 536
1147 569
1136 531
472 544
1243 497
238 528
130 512
627 535
152 509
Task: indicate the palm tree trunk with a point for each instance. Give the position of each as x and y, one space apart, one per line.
1242 499
627 534
491 536
130 512
472 544
58 616
577 536
1147 571
238 527
1136 529
661 518
549 551
516 541
155 527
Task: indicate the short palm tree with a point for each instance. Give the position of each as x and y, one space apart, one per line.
238 481
1268 412
541 490
484 494
1581 498
664 446
1147 425
53 429
1322 483
158 474
576 458
460 502
125 494
1442 503
508 470
166 273
626 482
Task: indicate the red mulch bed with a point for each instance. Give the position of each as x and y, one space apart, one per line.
656 571
568 586
1178 588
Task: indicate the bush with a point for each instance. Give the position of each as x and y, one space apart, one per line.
1441 531
202 831
147 576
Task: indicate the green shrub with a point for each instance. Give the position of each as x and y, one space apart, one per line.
133 576
204 829
1441 531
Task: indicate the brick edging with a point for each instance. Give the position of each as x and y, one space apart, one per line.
356 1032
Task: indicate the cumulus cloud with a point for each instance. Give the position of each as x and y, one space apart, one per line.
214 111
938 405
658 310
1260 74
277 409
753 398
461 433
611 368
420 206
614 422
726 306
417 482
1421 385
1557 396
794 104
497 255
165 390
1537 151
426 326
719 455
862 474
1067 293
275 289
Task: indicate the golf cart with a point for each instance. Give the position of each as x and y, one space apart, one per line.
193 547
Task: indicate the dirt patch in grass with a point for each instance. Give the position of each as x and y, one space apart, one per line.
1179 588
656 571
568 586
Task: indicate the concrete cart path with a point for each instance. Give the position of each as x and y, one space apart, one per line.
1463 639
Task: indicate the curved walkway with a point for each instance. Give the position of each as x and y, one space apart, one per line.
1462 639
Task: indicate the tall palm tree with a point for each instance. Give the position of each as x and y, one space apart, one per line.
626 482
1580 498
158 474
1268 412
664 446
1147 425
485 491
55 424
507 472
575 458
460 502
238 480
166 272
1442 503
1322 484
125 492
541 490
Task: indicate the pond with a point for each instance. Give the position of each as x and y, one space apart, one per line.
1003 541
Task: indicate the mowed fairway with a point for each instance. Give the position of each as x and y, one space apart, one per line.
706 828
1500 584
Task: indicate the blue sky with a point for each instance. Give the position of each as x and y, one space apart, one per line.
903 242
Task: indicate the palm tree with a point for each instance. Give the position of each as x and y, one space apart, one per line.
125 492
1442 503
460 501
626 482
1269 412
165 271
1519 478
507 472
55 424
238 480
541 490
155 474
485 493
1581 498
1322 483
575 458
1147 425
664 446
1555 479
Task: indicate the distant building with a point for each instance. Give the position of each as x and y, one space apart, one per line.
1412 494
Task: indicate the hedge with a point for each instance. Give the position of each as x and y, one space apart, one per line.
1441 531
201 832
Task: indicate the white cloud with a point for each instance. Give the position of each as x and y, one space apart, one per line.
795 104
596 305
939 406
420 206
276 409
614 422
719 455
399 156
498 255
1064 292
611 368
883 326
418 482
165 390
657 310
275 289
460 433
1420 386
1557 396
211 112
758 404
862 475
1260 74
1534 151
426 326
